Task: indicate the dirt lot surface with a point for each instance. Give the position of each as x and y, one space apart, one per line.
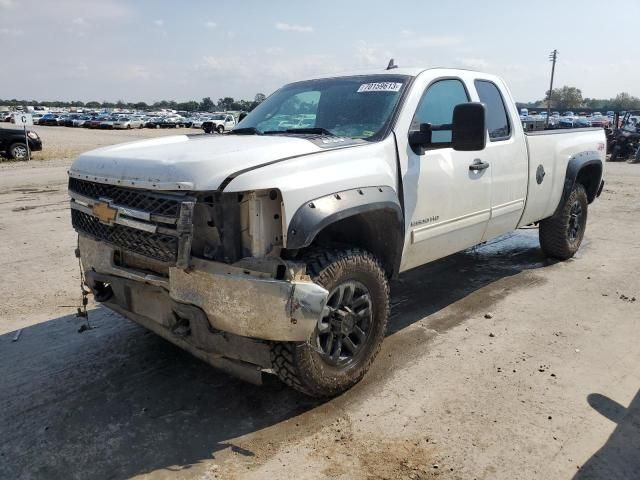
498 365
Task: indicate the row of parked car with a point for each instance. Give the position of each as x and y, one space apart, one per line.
213 122
569 119
109 121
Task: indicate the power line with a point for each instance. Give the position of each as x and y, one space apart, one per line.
553 56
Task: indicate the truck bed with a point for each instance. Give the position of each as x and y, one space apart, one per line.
552 150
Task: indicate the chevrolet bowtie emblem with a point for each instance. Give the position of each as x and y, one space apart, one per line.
104 212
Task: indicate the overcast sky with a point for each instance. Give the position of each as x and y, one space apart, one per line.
147 50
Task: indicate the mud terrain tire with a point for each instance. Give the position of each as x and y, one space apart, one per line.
356 282
562 234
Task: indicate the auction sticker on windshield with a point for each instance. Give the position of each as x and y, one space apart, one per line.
380 87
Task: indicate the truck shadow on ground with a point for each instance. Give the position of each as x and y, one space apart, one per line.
619 457
117 401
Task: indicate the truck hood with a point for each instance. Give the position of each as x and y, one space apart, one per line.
182 162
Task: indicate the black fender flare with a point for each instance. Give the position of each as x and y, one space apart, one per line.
315 215
588 163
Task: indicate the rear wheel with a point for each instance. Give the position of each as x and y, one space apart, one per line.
18 151
220 129
562 234
348 336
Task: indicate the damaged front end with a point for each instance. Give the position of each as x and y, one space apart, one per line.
203 271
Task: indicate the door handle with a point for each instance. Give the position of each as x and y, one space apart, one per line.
478 165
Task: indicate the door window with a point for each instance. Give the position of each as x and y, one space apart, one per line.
497 119
436 107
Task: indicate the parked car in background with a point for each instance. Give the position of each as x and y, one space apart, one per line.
12 143
582 122
197 122
36 116
173 121
567 122
154 122
68 120
600 121
127 123
107 123
81 120
50 119
94 122
220 123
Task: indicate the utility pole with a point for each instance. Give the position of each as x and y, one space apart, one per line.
553 56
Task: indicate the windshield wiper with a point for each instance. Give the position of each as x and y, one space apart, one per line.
246 131
318 130
303 131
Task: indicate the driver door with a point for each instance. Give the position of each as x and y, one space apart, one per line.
447 203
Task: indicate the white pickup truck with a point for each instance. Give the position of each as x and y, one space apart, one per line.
271 249
220 122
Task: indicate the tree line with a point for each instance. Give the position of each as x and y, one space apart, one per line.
570 98
206 105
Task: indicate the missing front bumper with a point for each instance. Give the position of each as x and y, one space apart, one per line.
235 300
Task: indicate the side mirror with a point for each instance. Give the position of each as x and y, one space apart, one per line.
469 127
420 139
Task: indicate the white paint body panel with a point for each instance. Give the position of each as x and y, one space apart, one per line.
199 163
553 152
306 178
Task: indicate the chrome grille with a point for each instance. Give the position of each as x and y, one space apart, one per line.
154 245
154 203
157 225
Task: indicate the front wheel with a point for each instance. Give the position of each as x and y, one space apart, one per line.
220 129
18 151
562 234
348 336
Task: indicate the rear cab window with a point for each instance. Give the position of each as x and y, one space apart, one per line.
497 118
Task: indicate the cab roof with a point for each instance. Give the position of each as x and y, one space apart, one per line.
406 71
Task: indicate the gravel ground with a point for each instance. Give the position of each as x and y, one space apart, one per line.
498 365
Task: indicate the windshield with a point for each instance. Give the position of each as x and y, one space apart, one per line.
217 117
355 107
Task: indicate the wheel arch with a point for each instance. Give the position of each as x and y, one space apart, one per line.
369 217
585 168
